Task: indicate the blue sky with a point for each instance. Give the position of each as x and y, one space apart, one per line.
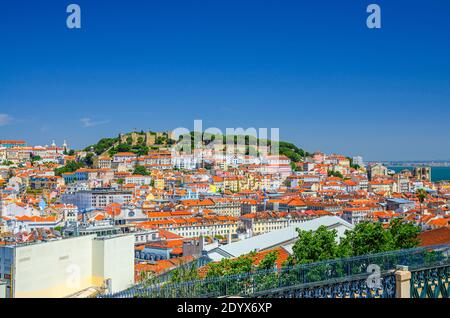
311 68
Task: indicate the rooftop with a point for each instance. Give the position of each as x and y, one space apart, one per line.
275 238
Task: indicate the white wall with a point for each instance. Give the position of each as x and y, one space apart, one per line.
114 260
61 268
2 289
53 269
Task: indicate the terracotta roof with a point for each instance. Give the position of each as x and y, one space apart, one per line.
168 235
435 237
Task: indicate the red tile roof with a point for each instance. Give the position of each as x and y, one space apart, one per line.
435 237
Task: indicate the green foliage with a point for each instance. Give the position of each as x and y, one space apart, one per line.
35 158
291 151
71 166
184 273
421 195
405 235
160 140
315 246
101 146
332 173
71 152
352 165
269 261
89 159
293 166
138 149
148 278
33 191
365 238
368 238
119 148
141 170
239 265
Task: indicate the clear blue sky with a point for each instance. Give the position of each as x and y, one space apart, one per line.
311 68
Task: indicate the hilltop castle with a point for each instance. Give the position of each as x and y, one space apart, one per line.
150 138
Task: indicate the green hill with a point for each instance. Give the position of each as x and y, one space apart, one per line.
136 142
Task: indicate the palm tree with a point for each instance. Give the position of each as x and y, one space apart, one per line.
421 194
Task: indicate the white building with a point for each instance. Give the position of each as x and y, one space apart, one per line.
61 268
356 215
97 198
358 160
138 179
187 162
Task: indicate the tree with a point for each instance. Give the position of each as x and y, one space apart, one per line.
240 265
421 194
140 150
269 261
89 159
332 173
35 158
367 238
315 246
123 148
405 235
184 273
291 151
100 147
141 170
159 140
293 166
148 278
71 166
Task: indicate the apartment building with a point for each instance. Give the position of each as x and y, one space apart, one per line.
97 198
62 267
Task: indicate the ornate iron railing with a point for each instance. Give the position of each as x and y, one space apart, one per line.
331 278
351 287
431 282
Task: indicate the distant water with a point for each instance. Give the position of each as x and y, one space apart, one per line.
437 173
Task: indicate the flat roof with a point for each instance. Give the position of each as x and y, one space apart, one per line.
400 201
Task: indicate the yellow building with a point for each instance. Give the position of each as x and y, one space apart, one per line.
160 184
